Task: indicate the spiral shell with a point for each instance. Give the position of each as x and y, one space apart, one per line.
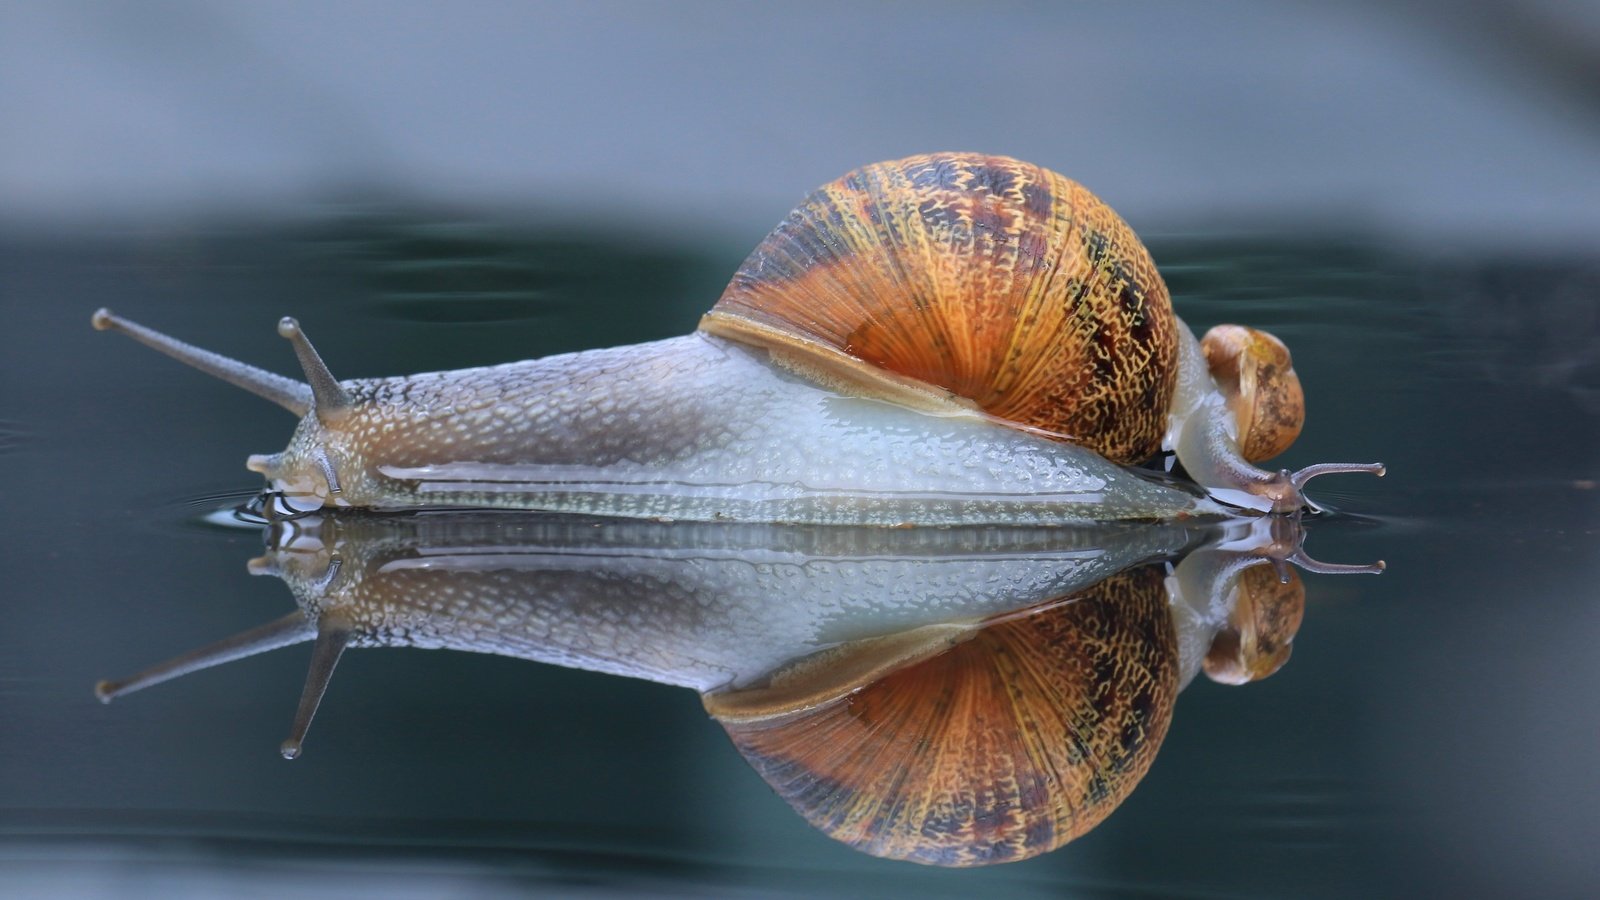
1254 371
999 744
1003 283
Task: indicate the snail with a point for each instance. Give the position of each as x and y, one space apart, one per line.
956 696
944 339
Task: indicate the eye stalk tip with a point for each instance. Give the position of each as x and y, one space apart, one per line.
290 749
105 691
103 319
288 327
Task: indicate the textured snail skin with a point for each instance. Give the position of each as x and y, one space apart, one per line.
696 428
940 340
689 605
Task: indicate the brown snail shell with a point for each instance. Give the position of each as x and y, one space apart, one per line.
1006 284
970 745
1255 373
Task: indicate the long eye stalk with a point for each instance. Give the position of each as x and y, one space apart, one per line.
331 401
291 629
332 637
292 395
1300 478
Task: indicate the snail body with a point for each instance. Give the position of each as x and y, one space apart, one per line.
944 339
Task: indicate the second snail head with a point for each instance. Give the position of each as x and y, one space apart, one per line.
915 335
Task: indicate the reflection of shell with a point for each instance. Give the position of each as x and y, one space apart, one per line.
1261 628
999 281
998 745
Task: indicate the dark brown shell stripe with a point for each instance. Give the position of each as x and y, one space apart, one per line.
1007 745
1000 281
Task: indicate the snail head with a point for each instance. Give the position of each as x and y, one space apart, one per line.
304 473
1267 409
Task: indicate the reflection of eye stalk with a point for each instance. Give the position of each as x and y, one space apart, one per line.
1244 592
955 697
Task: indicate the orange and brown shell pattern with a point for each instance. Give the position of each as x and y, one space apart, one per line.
1003 283
1017 738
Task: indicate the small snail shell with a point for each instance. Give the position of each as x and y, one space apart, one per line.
945 339
1259 634
1255 373
990 745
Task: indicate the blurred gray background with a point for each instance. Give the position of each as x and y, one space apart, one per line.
1476 121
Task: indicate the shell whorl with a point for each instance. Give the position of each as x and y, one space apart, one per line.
1003 744
1001 282
1255 373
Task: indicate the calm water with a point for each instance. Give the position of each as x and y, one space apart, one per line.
1432 732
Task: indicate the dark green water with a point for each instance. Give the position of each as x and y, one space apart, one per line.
1433 732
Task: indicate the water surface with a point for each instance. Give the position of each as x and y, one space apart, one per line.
1432 733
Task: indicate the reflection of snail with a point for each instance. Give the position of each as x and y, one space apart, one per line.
1007 741
953 696
950 339
1011 738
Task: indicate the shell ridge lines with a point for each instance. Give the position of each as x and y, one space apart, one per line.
1004 283
914 341
1029 382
